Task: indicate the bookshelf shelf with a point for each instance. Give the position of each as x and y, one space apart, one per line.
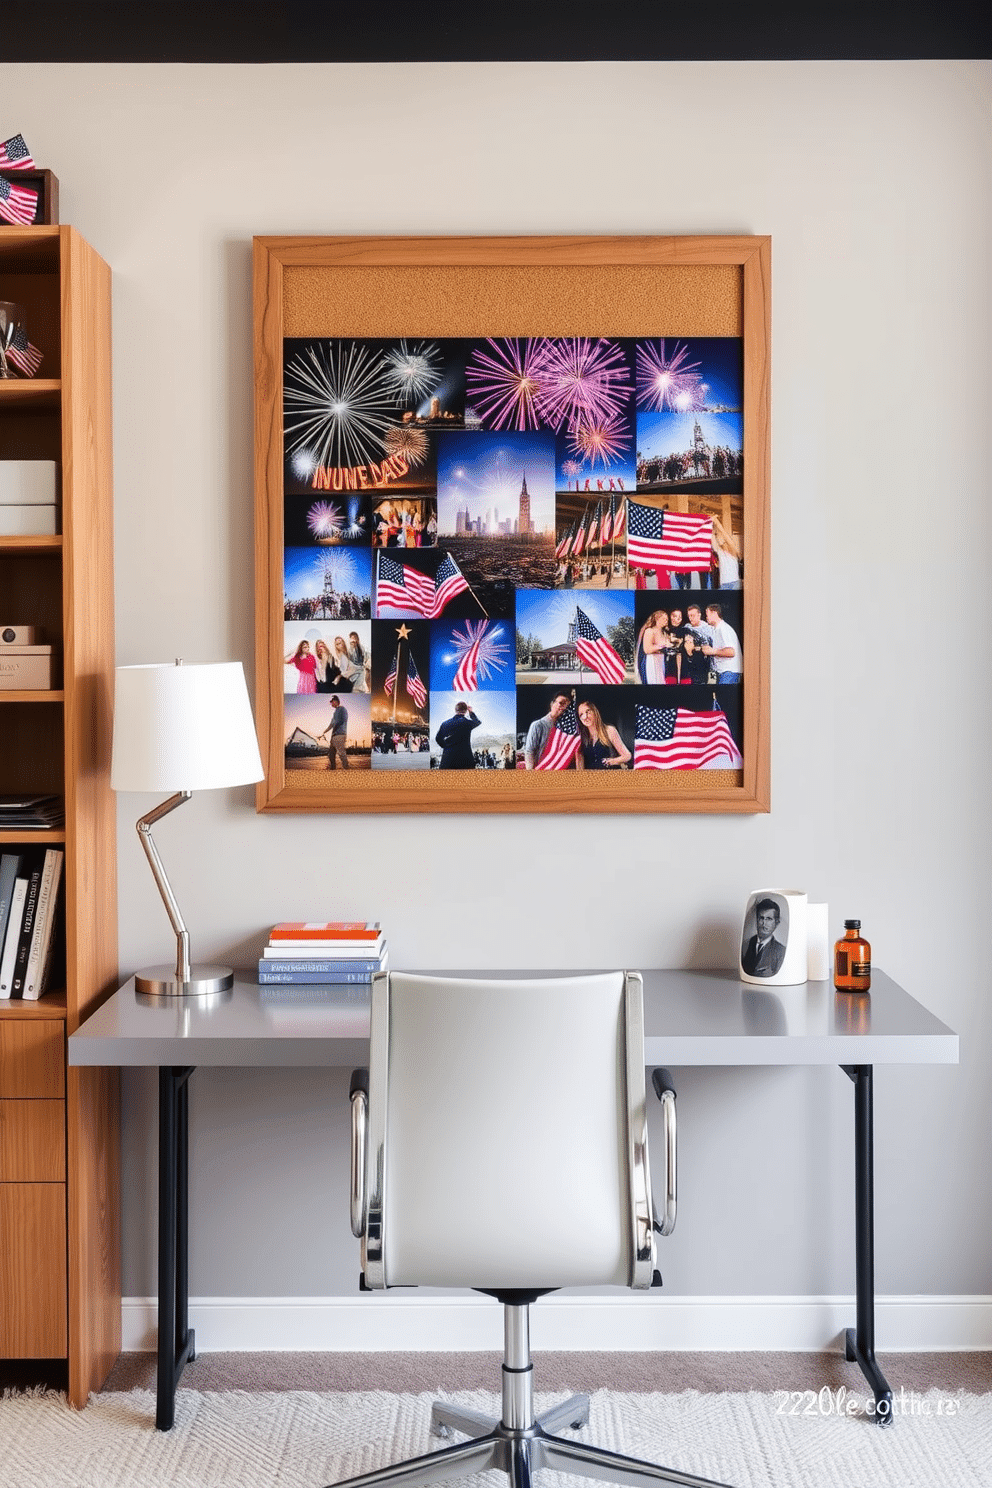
33 392
51 1006
66 1305
51 836
43 543
18 695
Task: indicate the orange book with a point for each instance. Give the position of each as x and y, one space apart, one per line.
357 930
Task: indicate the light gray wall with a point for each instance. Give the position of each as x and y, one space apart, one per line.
873 181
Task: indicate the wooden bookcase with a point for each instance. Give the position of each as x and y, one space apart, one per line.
60 1127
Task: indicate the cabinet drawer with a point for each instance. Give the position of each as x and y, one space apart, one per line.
32 1058
32 1141
33 1285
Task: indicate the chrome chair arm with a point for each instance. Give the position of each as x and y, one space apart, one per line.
664 1089
359 1095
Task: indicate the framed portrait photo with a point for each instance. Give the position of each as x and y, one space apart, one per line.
512 524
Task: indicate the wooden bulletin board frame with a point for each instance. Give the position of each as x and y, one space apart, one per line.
511 287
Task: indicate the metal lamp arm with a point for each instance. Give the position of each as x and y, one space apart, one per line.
144 829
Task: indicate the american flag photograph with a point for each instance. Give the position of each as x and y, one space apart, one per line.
401 587
596 652
682 739
677 541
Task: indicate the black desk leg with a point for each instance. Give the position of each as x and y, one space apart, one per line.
173 1239
860 1341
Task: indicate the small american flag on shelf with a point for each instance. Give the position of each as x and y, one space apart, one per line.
18 204
15 155
25 357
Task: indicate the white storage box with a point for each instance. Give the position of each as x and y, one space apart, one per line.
27 668
28 521
28 483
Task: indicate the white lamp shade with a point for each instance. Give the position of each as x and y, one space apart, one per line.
183 728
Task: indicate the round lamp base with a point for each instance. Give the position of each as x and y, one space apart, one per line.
203 981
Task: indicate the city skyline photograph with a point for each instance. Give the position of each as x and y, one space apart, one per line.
484 475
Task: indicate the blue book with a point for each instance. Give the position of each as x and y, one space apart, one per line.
267 977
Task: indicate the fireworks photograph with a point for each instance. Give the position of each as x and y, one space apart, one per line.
566 638
327 521
698 451
472 656
359 414
700 375
473 730
595 453
338 402
327 583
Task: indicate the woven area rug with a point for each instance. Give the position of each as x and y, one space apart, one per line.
298 1439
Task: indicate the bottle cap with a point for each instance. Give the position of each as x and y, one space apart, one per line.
852 924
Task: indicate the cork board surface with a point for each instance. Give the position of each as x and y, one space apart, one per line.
513 300
427 781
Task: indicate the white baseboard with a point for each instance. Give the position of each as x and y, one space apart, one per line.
417 1323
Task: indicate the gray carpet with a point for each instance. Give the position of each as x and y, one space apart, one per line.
637 1373
299 1439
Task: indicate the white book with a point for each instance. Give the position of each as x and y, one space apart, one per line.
323 950
44 925
11 939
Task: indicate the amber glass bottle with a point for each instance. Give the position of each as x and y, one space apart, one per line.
852 960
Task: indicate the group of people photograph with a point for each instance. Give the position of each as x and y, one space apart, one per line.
328 663
689 647
404 522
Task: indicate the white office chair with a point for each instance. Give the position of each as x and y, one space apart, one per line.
500 1142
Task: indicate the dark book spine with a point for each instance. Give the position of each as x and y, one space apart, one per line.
27 930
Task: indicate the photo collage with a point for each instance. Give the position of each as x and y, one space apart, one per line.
513 553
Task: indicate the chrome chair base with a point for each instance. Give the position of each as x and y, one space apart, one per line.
520 1452
521 1443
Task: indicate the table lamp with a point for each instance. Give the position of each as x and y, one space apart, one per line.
181 728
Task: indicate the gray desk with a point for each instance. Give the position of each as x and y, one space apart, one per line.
691 1018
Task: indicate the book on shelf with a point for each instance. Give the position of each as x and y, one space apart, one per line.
271 973
39 963
13 935
331 931
288 950
35 867
10 863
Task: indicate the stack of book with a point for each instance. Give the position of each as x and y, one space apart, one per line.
31 813
309 953
29 886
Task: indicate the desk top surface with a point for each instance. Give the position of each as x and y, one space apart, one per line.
690 1018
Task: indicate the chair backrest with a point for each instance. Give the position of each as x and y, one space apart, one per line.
507 1133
